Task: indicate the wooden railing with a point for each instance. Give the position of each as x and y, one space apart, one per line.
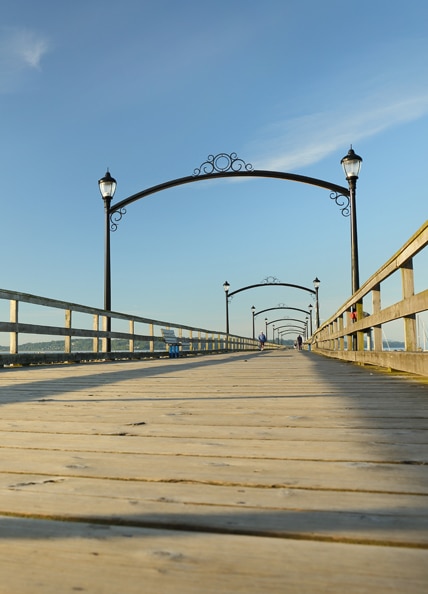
140 337
352 334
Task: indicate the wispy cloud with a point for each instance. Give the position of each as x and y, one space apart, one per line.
21 50
295 143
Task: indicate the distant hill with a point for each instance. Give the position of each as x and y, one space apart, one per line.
81 345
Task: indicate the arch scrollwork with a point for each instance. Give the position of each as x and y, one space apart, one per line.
116 217
271 280
342 202
222 163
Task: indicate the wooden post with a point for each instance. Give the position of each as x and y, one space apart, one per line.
67 341
348 331
104 341
377 330
341 345
96 339
360 335
408 288
14 320
131 339
152 342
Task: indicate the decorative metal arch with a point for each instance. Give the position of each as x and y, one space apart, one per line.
288 320
275 284
281 334
282 307
230 165
291 328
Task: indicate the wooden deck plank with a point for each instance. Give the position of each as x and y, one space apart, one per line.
344 475
69 557
17 487
309 514
192 431
127 442
316 468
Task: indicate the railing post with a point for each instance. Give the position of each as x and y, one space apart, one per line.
360 334
166 344
342 338
180 336
132 332
377 330
13 342
152 341
105 342
334 341
408 288
67 340
96 339
349 337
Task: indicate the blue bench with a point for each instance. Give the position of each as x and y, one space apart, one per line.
174 343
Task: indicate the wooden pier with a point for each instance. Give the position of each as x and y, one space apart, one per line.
272 472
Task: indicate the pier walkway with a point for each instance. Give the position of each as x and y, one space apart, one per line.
273 472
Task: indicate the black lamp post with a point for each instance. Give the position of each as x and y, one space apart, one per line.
226 286
266 325
317 303
351 164
253 311
107 185
310 306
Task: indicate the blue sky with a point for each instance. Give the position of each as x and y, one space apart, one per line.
150 89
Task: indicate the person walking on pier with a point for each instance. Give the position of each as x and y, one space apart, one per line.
262 340
299 342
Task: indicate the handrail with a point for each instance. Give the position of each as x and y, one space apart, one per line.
351 325
94 326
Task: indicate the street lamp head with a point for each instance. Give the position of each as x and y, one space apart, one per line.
253 309
107 185
316 282
226 286
351 164
310 306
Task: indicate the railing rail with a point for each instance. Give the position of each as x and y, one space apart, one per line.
352 334
142 337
